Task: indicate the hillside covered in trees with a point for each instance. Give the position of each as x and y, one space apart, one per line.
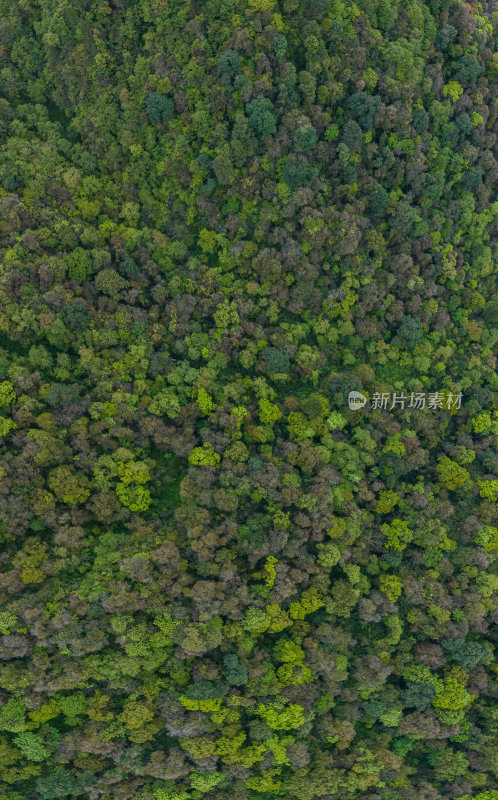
217 219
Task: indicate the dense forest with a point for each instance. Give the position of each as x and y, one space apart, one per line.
217 220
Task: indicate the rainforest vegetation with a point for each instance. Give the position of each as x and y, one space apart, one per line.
217 219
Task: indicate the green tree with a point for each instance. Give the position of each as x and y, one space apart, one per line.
12 716
159 107
379 201
262 117
32 746
451 475
68 485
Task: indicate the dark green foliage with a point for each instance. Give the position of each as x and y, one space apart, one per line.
229 67
298 171
75 317
209 187
60 784
276 359
411 329
467 654
128 268
363 108
253 532
379 201
404 218
235 672
352 135
374 708
262 117
279 45
463 123
9 177
202 690
160 107
418 696
467 69
305 138
349 173
61 394
445 35
402 746
420 120
316 9
472 178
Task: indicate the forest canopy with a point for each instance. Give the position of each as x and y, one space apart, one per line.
217 220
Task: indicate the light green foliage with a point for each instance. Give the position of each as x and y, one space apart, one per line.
278 746
270 569
268 413
332 132
328 554
12 716
282 720
166 623
487 795
299 426
165 402
452 695
136 472
73 705
211 704
338 528
226 315
394 445
451 475
7 394
391 718
391 586
353 572
7 622
453 90
266 782
482 422
162 794
205 402
47 711
207 240
489 490
336 420
310 601
205 782
255 620
371 78
397 534
68 486
288 651
204 456
6 425
386 502
276 619
136 498
487 537
32 746
394 626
